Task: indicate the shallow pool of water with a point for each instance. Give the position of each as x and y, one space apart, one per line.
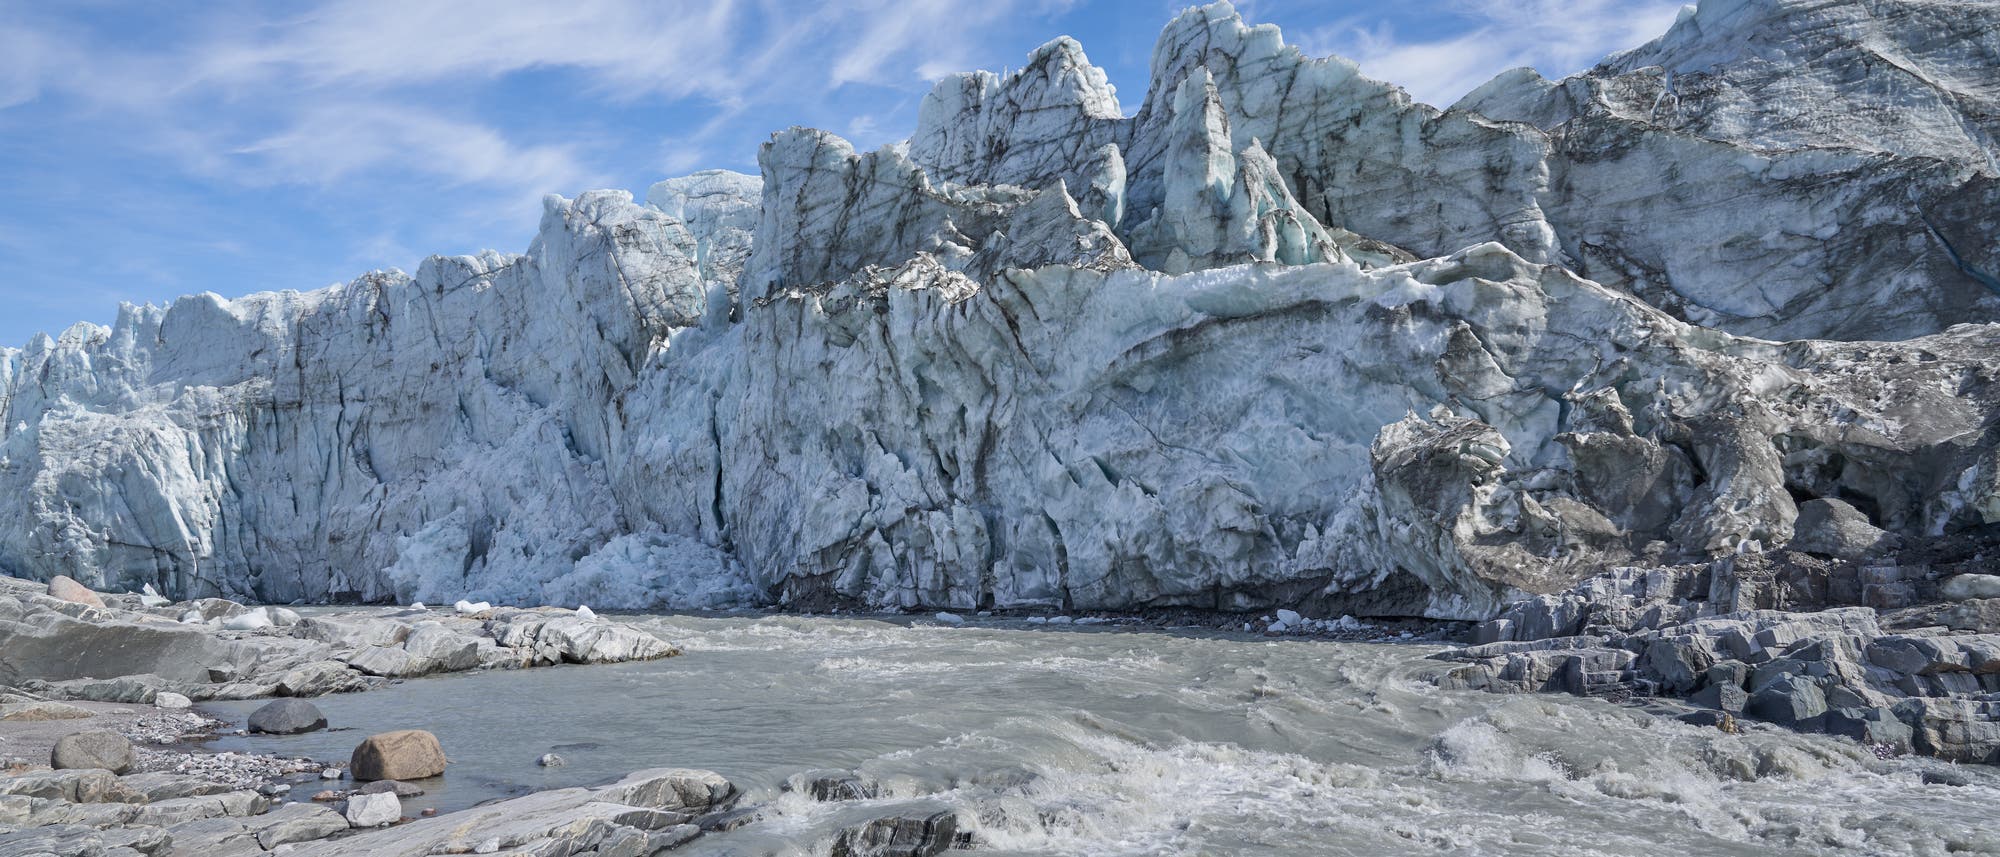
1111 742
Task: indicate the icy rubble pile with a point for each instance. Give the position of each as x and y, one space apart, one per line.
127 651
1282 337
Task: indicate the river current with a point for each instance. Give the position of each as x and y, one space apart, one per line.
1094 741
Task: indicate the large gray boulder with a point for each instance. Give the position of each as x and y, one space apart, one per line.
98 748
287 717
1835 528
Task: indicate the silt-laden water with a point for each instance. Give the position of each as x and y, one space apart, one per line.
1100 742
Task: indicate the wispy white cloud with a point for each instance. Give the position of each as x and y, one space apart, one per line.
626 48
1555 37
348 89
25 58
328 143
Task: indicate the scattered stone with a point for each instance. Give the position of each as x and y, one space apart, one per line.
332 774
409 754
373 810
950 619
429 811
550 760
96 748
329 796
287 717
63 587
232 771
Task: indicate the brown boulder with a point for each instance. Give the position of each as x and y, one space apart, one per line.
410 754
61 586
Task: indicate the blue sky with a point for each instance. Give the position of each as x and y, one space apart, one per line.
149 150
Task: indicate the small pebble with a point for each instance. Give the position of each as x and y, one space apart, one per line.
331 774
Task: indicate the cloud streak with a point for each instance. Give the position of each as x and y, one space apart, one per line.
1555 37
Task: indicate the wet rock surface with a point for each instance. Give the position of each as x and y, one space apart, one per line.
286 717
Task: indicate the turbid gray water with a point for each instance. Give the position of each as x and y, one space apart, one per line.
1106 742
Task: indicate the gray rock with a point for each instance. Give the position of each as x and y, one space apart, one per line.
1873 726
297 822
1721 697
1734 673
1793 701
180 810
97 748
373 809
287 717
1680 662
551 760
561 821
1835 528
160 785
73 840
1977 615
389 662
566 638
172 701
75 786
141 689
320 678
835 786
915 833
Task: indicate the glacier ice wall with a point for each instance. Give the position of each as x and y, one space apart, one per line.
1281 336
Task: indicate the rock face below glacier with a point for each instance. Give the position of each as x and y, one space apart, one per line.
1282 336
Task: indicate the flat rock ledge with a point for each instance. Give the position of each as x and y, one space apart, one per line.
126 651
93 813
1901 655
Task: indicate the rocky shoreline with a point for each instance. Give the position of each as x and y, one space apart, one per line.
1898 651
121 673
118 674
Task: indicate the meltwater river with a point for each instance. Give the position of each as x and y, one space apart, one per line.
1110 742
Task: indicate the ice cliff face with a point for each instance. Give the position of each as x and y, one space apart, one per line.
1279 336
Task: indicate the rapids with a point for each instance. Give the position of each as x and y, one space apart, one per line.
1098 741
